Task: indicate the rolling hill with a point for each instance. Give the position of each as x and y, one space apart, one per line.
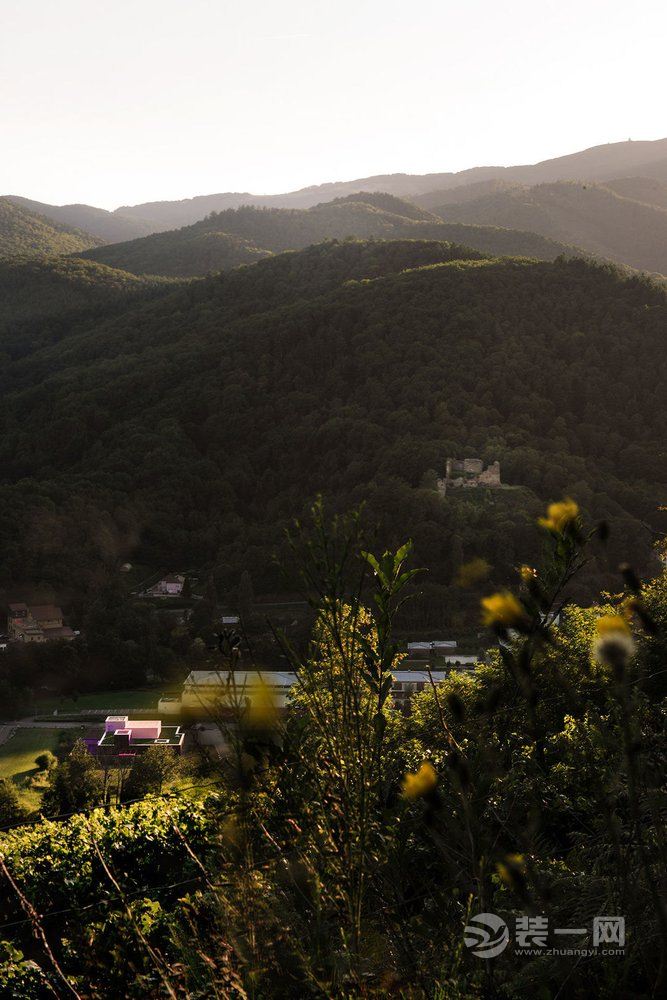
241 235
24 233
590 215
190 429
187 252
644 189
107 227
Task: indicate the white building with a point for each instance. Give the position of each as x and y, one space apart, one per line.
210 693
169 586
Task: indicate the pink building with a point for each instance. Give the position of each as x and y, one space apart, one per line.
169 586
124 737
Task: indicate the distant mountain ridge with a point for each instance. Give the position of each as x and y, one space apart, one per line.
26 234
639 159
110 227
592 216
598 163
243 235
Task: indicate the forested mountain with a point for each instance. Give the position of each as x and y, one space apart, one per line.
599 163
42 299
589 215
108 227
241 235
189 430
23 232
187 252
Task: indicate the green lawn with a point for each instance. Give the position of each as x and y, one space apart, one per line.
145 698
17 761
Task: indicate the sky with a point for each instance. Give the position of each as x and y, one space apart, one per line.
142 100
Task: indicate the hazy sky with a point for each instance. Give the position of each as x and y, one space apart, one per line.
137 100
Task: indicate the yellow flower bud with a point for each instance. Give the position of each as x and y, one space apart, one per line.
502 609
612 623
560 515
421 783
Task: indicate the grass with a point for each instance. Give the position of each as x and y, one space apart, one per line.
143 698
17 762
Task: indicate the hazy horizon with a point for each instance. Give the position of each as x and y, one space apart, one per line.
160 102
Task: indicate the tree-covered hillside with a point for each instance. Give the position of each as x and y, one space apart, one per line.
181 253
44 298
191 429
588 215
23 232
238 236
108 227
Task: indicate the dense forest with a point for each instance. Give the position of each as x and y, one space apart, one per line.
23 232
190 429
598 218
42 299
235 236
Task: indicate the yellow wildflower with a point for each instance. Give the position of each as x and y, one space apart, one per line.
502 609
527 573
612 623
614 645
421 783
560 515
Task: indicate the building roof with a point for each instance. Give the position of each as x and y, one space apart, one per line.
19 607
45 612
169 736
433 644
274 678
173 578
241 678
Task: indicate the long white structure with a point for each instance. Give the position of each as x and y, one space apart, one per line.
206 692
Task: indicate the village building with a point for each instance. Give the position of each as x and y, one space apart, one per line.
122 737
217 694
431 647
36 623
169 586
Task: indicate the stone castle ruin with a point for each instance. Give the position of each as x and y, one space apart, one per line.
469 473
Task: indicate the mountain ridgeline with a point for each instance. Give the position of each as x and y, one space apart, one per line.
647 160
190 425
609 201
24 233
606 220
242 235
